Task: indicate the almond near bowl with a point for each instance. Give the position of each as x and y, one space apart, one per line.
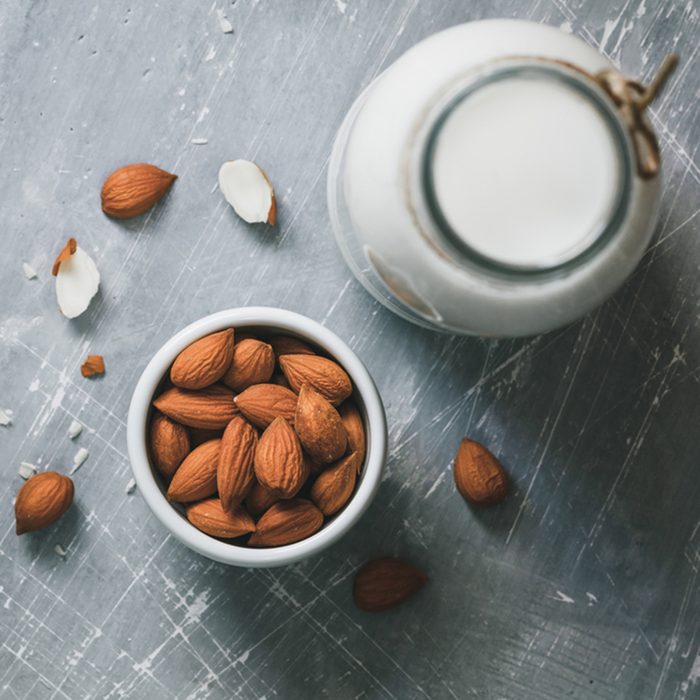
152 486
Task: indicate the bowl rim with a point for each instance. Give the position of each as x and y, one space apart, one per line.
284 321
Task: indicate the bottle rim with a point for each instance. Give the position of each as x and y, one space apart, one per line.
453 245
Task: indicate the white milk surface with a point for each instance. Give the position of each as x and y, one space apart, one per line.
525 171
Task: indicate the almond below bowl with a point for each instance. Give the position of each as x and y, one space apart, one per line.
152 486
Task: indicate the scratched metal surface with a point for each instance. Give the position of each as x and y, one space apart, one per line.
584 584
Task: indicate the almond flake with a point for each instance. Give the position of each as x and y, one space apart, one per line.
77 279
199 142
29 271
248 190
224 24
131 486
80 456
94 364
74 429
26 470
5 416
59 550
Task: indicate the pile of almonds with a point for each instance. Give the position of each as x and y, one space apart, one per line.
257 437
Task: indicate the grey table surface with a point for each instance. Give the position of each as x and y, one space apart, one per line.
583 584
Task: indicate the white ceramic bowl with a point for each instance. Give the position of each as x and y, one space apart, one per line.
153 490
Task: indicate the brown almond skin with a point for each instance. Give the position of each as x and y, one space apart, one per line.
260 498
286 522
319 427
203 362
210 517
235 473
384 583
133 189
279 463
170 444
262 403
42 500
328 378
355 430
479 476
253 363
196 477
289 345
334 485
211 408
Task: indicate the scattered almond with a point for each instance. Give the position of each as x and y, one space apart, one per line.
278 459
210 517
169 443
479 476
195 478
134 189
385 583
334 485
286 522
328 378
247 189
262 403
93 365
289 345
42 500
319 427
203 362
355 430
260 498
253 363
77 279
212 407
235 474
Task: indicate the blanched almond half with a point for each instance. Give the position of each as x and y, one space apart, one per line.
77 279
248 190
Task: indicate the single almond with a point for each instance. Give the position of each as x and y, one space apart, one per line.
328 378
262 403
42 500
260 498
200 435
235 474
211 408
479 476
286 522
253 363
335 484
289 345
169 443
385 583
195 478
355 429
279 464
134 189
210 517
203 362
319 426
94 364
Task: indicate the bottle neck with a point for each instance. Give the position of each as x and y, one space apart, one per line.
523 172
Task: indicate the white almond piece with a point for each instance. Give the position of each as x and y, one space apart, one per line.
5 416
199 142
59 550
226 26
26 470
131 486
248 190
29 271
80 456
77 282
74 429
